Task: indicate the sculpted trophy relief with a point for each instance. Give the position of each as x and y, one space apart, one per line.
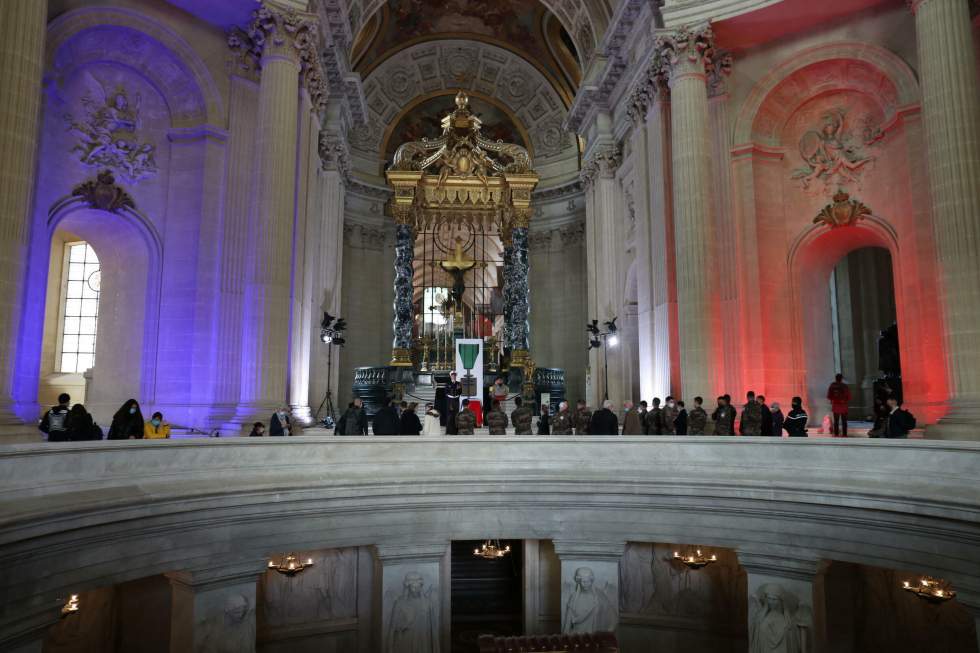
413 624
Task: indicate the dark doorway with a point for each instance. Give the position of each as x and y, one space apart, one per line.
486 596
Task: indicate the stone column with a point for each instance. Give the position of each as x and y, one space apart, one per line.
507 239
518 296
414 598
598 175
213 610
589 585
786 598
22 27
401 345
281 36
687 54
950 106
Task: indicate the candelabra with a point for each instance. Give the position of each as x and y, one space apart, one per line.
290 565
695 560
934 590
491 550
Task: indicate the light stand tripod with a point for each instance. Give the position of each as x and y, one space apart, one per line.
331 333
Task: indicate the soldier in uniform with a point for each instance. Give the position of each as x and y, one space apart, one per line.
655 419
582 418
497 420
643 417
466 420
670 414
521 417
751 423
561 423
724 417
697 418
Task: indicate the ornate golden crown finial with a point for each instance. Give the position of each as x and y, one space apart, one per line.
462 100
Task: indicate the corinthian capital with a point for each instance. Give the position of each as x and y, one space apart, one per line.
687 50
283 32
650 88
601 164
334 153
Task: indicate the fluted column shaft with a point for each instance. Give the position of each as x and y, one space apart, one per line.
22 27
265 339
693 226
951 108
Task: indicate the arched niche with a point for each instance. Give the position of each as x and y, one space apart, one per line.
129 252
858 103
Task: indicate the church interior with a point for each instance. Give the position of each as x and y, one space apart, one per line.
558 242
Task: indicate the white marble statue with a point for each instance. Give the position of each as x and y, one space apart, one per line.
413 625
776 621
588 609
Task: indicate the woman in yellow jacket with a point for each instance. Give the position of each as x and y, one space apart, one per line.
156 428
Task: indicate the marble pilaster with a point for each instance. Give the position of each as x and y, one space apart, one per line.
281 37
687 54
786 601
950 106
589 585
401 345
414 598
213 609
22 30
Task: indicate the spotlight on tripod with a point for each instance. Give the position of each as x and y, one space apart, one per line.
331 333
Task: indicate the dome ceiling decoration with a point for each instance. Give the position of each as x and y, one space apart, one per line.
524 27
430 71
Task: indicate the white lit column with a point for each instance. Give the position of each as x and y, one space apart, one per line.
602 254
686 50
213 610
266 314
950 106
589 585
22 26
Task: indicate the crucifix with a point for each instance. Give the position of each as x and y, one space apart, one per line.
457 267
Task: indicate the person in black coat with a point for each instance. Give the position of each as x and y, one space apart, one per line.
80 425
410 423
795 423
899 421
354 420
777 420
766 428
280 424
604 421
56 422
127 423
680 422
544 421
386 420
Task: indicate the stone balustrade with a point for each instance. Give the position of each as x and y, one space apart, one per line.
81 515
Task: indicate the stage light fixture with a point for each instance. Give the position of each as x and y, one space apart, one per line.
613 340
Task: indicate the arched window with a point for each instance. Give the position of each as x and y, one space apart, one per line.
80 287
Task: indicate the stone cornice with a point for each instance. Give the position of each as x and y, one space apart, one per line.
589 550
613 67
778 561
335 41
411 552
360 187
554 193
220 574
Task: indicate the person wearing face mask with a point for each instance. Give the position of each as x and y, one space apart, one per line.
156 428
670 414
280 424
127 423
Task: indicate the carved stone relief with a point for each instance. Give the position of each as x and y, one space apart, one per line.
228 628
413 619
327 590
833 152
779 620
590 603
359 236
107 127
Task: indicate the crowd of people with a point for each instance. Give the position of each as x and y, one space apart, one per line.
65 422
